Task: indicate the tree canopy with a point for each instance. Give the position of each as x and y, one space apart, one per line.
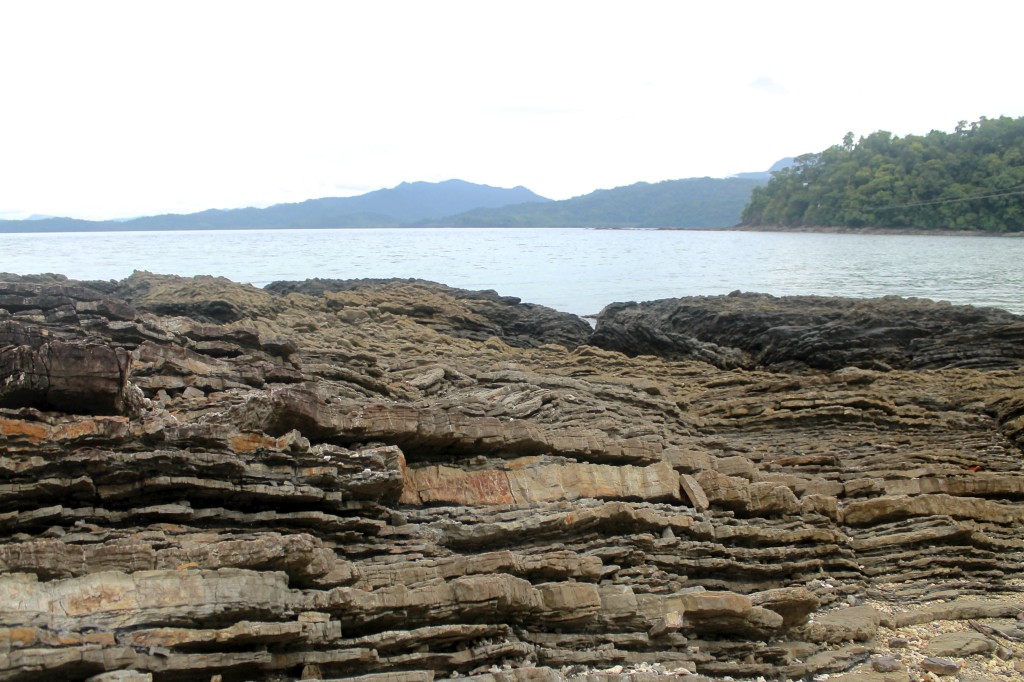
970 179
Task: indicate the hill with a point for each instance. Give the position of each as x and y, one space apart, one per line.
971 179
409 202
765 175
688 203
693 203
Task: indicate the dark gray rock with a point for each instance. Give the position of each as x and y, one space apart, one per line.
800 332
940 666
71 377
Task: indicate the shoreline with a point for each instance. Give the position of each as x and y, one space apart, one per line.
331 479
881 231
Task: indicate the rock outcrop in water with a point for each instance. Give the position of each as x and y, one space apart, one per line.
813 332
325 480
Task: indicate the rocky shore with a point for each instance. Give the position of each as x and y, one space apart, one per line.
396 481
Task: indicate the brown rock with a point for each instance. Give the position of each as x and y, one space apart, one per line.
693 492
889 508
794 604
70 377
768 499
395 482
117 600
959 645
726 491
959 610
727 612
857 624
940 666
527 483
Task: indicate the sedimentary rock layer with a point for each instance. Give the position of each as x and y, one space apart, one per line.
821 333
400 481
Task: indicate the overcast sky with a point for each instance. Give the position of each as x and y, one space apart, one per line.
117 109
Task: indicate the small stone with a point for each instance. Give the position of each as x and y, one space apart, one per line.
899 643
886 664
1004 653
940 666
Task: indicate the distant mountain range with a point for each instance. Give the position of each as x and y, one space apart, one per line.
689 203
409 202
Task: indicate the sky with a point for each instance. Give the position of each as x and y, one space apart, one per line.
120 109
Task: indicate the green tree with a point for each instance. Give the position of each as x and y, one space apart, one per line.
970 179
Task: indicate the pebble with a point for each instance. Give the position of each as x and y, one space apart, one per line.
940 666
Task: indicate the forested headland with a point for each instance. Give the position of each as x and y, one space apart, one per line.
970 179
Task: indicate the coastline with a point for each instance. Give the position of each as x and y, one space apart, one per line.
568 269
401 480
883 231
816 229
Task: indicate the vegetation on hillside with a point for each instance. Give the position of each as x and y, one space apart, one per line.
693 202
970 179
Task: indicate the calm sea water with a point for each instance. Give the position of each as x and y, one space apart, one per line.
576 270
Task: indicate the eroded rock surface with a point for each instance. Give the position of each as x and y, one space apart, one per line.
475 315
399 481
823 333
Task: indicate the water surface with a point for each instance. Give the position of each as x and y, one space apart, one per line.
571 269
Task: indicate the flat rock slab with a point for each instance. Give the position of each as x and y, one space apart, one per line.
959 644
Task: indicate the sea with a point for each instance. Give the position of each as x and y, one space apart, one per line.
570 269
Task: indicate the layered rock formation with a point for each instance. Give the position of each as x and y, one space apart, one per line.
794 332
399 481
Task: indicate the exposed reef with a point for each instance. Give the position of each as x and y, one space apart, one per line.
397 481
815 332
